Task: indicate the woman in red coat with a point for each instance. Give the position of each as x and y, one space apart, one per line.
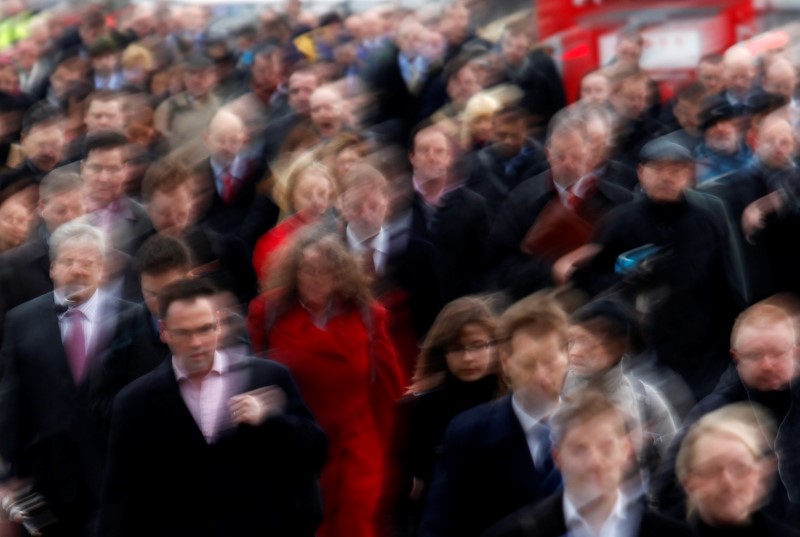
319 320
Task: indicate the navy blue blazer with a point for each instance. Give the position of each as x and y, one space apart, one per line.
484 473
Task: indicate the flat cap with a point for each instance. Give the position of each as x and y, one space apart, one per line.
664 150
197 61
713 109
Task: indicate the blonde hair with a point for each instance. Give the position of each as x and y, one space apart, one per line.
137 57
478 106
289 171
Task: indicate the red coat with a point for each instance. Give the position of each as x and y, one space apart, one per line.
271 241
350 381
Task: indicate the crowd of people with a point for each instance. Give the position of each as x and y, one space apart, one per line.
371 275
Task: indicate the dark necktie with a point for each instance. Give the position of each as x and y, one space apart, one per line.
75 345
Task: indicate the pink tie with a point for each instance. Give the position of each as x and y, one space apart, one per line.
75 345
228 186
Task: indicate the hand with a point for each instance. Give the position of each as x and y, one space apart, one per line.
752 220
562 270
252 408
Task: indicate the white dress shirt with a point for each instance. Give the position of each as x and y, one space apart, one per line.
379 245
90 318
535 431
620 523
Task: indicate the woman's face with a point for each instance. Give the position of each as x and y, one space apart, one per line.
472 356
481 128
726 482
588 353
316 279
312 195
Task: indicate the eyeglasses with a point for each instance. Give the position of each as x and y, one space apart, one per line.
472 348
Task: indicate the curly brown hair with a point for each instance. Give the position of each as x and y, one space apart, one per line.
352 284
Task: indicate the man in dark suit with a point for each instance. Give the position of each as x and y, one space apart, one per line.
25 271
225 180
210 443
495 458
593 451
447 214
52 349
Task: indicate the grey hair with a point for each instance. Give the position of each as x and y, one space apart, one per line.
58 182
78 233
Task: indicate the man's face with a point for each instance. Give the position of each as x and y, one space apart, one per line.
455 25
712 76
723 137
77 270
535 366
266 72
104 173
688 115
171 212
739 77
664 182
631 100
775 144
590 353
515 48
629 52
566 153
326 112
595 89
104 115
593 457
63 79
364 209
44 145
598 139
509 135
153 284
301 86
766 355
225 140
105 64
61 208
781 81
464 84
191 330
199 82
432 156
15 221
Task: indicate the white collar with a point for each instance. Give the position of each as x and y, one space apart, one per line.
220 366
89 308
573 518
526 419
379 242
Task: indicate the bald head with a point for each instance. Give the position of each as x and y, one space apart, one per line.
225 137
781 78
775 144
739 70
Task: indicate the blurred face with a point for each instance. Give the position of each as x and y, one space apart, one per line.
595 89
766 355
723 137
316 279
312 195
77 270
153 284
725 481
598 138
593 457
566 153
43 145
104 175
712 76
266 74
410 39
301 86
432 156
739 77
199 82
225 140
464 84
509 135
781 80
588 353
61 208
345 160
471 357
62 79
688 115
481 128
105 64
664 182
171 212
326 112
191 331
9 80
364 209
455 25
631 100
775 145
629 52
104 115
15 222
535 367
515 48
